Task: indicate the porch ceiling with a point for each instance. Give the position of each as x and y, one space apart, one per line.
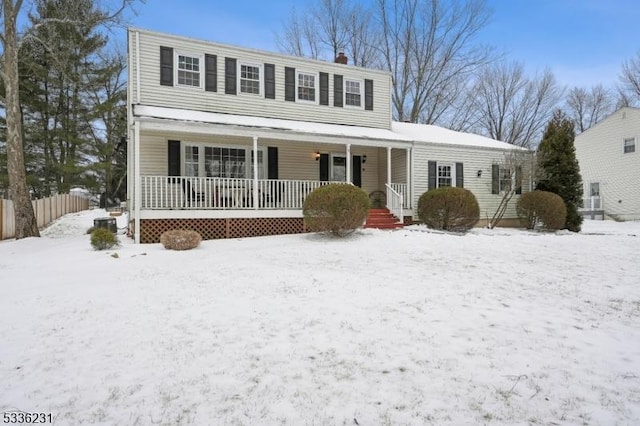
178 120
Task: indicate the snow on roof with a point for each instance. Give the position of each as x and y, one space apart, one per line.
400 132
439 135
269 123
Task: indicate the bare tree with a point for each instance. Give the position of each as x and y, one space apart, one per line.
517 168
429 48
630 77
512 107
25 221
587 107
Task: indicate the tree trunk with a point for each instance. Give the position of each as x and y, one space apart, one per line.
25 220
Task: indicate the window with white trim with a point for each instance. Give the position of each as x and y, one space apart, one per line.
188 70
205 160
250 78
306 86
629 145
504 179
445 175
353 93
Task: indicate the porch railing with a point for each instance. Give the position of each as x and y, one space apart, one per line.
182 192
592 203
401 188
395 202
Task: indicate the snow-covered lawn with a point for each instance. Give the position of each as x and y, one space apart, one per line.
406 327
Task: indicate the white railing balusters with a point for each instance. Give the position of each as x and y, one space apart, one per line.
395 202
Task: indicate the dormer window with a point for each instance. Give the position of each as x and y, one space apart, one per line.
189 70
250 78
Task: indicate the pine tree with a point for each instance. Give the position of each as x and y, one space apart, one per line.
558 165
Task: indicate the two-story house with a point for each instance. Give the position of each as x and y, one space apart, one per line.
229 141
609 159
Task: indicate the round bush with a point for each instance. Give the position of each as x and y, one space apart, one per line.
449 208
180 239
103 239
336 208
542 208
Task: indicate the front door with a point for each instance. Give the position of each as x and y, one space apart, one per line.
339 169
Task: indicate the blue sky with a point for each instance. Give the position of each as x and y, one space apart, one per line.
582 41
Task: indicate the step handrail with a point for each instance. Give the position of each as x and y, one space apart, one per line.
395 202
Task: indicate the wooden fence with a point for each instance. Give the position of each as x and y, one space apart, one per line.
46 209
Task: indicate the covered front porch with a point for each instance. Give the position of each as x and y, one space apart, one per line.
205 172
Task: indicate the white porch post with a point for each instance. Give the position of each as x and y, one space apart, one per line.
255 172
407 196
349 179
137 181
389 165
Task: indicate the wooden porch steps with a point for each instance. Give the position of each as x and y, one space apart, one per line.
382 219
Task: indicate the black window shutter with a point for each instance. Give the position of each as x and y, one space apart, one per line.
289 84
324 88
432 171
210 73
324 167
173 167
357 170
230 82
368 95
495 179
269 81
337 90
459 175
272 164
166 66
519 180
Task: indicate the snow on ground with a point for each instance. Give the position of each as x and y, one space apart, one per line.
407 327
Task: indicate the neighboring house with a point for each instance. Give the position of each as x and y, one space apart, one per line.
229 141
609 159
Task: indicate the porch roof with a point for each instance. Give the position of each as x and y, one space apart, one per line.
162 118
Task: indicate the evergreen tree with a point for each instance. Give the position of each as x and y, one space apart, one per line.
559 168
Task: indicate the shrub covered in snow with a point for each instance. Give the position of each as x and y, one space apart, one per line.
336 208
542 208
449 208
180 239
103 239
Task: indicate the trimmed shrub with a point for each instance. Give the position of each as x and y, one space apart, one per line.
449 208
180 239
542 208
103 239
336 208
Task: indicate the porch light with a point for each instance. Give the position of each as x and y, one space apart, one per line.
317 155
479 173
364 158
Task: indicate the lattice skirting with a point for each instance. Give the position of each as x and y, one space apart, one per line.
407 220
211 229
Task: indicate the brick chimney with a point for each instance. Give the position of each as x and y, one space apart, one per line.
341 59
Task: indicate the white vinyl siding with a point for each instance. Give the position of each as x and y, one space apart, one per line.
473 159
152 93
601 156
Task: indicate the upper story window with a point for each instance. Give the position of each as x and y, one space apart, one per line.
306 86
189 70
353 93
629 145
445 175
250 78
